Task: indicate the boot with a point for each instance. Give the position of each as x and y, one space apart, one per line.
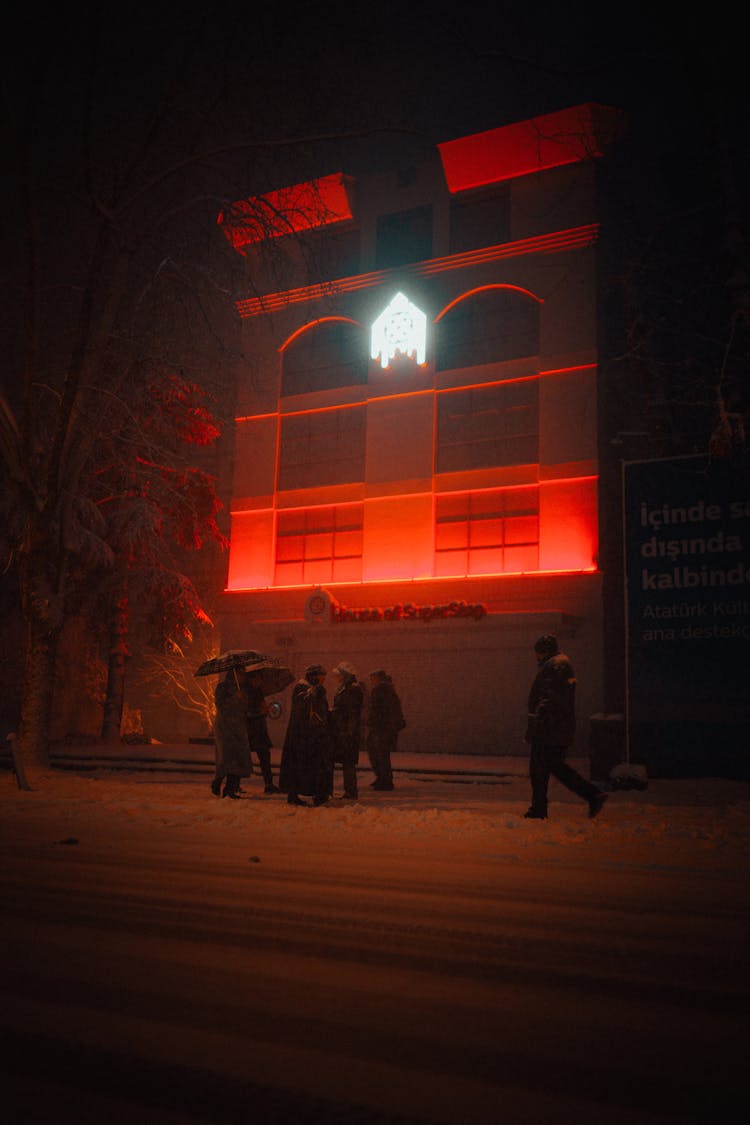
232 787
216 787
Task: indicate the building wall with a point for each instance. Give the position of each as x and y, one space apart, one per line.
404 475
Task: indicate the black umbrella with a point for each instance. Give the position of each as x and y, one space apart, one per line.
234 658
274 677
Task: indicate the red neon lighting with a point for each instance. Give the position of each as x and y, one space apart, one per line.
314 323
569 370
568 537
484 289
317 203
421 578
573 239
565 137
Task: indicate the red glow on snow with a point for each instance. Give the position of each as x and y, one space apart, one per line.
317 203
565 137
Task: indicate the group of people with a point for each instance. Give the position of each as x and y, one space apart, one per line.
318 735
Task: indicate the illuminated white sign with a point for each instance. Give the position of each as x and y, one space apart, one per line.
401 329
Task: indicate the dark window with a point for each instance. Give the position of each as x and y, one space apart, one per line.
404 236
480 221
487 427
323 447
330 253
329 355
490 326
492 532
319 545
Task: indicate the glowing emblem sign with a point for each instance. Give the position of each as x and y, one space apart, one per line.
401 329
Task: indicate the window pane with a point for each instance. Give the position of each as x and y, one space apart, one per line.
491 326
319 546
317 570
486 533
289 548
326 356
348 543
521 529
521 559
451 536
322 448
452 506
404 236
450 562
347 570
288 574
486 562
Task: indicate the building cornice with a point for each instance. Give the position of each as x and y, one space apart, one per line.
574 238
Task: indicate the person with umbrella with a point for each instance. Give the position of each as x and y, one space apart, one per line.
232 747
260 680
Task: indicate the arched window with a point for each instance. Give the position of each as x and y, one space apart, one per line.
488 326
329 354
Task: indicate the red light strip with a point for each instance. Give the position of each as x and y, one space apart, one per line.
416 394
411 581
573 239
486 289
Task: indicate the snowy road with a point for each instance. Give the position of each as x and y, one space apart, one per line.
183 962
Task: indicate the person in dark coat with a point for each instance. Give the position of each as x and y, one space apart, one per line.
232 748
346 725
551 728
384 719
257 727
307 758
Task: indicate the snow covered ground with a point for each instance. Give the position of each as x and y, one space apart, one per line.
708 817
425 955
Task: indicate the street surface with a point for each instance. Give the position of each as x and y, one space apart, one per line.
166 972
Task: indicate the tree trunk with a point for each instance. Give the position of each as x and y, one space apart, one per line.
117 657
36 705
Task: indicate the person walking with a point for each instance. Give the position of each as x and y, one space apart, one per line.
385 719
306 759
551 728
257 727
232 749
346 725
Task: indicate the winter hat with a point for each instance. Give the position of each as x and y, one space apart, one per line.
547 645
314 670
344 668
380 674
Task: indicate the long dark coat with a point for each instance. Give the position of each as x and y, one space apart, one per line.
346 720
306 758
230 729
551 706
385 716
257 726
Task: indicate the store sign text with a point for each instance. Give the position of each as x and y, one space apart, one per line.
474 611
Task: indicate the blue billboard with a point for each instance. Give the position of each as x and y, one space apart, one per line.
687 588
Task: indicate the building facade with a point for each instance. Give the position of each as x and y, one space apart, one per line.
416 458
